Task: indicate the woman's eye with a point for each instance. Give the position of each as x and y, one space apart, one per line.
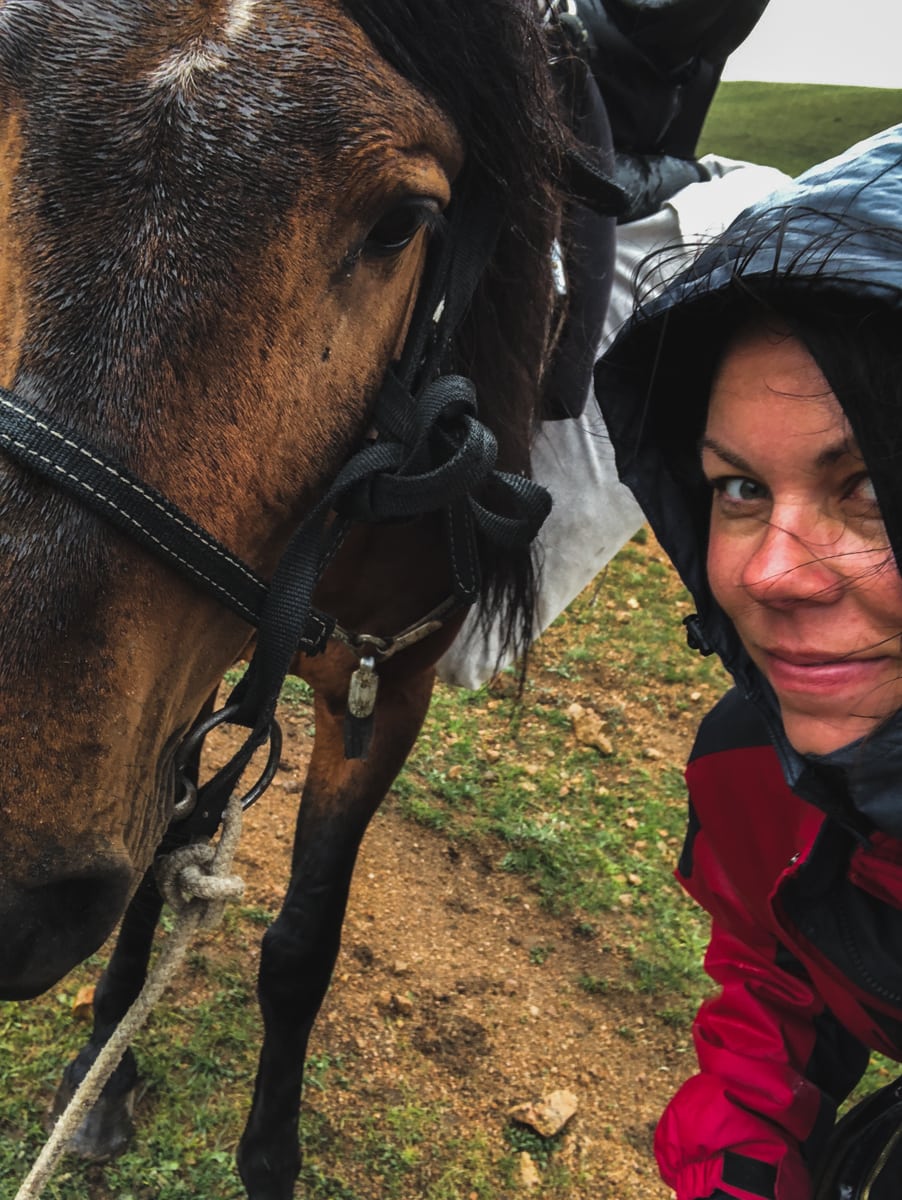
738 487
860 498
397 228
863 489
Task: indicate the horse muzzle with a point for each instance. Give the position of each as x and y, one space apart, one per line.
47 928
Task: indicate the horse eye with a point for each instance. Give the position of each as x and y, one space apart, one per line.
398 227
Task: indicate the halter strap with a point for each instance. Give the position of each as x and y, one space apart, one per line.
432 454
77 467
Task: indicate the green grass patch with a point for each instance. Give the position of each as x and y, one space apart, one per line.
197 1060
794 125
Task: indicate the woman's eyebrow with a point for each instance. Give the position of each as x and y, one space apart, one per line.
846 446
827 457
729 456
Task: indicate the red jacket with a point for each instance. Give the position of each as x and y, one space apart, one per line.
806 919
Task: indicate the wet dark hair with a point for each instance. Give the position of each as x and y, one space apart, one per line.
858 346
854 334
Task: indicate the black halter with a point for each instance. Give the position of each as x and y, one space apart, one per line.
432 454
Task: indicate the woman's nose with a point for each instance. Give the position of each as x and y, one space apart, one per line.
795 562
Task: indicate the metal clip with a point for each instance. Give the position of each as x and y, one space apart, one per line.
363 689
186 806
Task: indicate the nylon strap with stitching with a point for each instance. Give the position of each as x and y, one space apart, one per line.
77 467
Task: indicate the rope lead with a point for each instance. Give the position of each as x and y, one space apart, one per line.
195 882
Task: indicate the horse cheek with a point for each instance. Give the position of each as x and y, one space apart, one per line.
12 318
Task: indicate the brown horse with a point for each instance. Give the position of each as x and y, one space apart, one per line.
215 216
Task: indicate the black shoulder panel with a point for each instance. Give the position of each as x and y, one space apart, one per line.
732 724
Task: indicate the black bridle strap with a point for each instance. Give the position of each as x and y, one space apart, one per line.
76 466
376 485
425 421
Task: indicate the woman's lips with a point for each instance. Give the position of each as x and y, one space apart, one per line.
792 672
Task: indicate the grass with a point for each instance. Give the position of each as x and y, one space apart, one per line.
794 125
191 1055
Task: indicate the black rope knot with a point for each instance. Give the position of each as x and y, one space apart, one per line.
427 457
434 452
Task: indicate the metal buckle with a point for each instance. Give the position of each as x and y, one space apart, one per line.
193 742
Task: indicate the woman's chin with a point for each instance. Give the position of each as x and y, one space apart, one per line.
822 733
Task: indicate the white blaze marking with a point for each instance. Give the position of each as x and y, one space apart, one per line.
178 68
240 14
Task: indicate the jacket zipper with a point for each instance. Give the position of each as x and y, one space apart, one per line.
873 985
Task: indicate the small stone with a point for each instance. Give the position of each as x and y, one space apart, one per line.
549 1115
83 1003
402 1005
588 728
651 752
529 1172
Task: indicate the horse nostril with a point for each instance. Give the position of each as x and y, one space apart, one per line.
47 930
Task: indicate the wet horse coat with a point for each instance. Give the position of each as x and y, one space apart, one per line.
213 223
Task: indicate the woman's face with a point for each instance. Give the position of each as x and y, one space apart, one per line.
798 556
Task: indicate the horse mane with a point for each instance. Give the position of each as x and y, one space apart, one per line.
485 63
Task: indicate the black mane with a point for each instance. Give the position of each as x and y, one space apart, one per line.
485 63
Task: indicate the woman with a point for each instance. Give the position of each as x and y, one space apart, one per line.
756 413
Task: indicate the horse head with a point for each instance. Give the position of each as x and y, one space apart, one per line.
214 217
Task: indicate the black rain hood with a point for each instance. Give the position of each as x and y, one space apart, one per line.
831 239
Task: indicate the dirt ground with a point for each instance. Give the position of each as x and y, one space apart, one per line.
456 985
